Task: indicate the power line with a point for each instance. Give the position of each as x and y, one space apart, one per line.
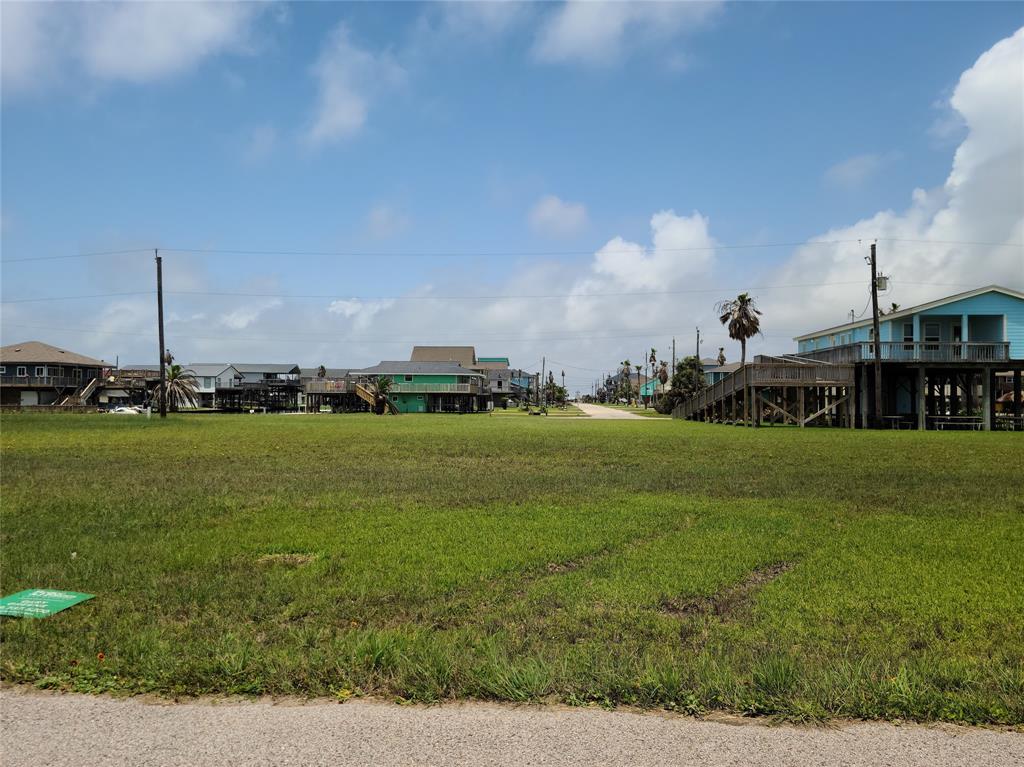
304 338
334 335
92 254
76 298
498 254
501 296
476 297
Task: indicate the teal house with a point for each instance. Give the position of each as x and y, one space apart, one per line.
431 387
986 325
952 362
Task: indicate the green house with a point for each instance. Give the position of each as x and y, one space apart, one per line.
432 387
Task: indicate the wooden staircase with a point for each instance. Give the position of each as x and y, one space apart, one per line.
364 393
81 396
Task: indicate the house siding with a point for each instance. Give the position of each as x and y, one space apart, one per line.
991 316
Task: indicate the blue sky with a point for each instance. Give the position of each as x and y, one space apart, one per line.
550 133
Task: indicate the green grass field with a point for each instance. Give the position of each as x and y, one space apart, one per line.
648 412
805 574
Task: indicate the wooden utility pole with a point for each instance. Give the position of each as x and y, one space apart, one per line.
673 355
878 340
698 343
160 323
540 384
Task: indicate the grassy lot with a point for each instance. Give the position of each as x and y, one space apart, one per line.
806 574
569 411
649 412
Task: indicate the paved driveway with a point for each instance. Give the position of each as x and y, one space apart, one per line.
49 729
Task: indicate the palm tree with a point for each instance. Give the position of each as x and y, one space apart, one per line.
740 315
627 374
380 388
181 388
721 356
321 372
639 388
663 374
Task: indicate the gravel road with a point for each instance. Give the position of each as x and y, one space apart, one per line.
600 411
50 729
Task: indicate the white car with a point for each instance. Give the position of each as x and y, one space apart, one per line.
126 410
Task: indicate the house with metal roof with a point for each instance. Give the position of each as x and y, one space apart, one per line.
34 373
263 386
952 363
431 387
944 363
211 376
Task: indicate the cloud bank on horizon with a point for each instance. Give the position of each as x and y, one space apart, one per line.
627 294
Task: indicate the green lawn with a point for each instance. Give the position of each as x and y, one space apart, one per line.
569 411
649 412
802 573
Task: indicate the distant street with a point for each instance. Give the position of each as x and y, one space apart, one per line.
600 411
86 731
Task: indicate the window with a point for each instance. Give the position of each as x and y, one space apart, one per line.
908 336
408 379
3 370
499 383
207 382
22 371
932 336
419 397
40 371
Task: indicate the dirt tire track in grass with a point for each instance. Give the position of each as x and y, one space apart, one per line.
463 606
731 603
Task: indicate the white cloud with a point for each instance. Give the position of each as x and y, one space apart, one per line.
385 221
244 316
982 201
601 33
481 19
349 78
856 171
553 217
361 312
132 42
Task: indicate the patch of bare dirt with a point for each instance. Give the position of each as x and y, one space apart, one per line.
729 601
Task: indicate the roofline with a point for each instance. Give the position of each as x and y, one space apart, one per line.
914 310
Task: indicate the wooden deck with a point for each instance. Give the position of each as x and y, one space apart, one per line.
797 391
925 352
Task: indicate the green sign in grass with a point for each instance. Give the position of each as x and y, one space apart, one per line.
40 603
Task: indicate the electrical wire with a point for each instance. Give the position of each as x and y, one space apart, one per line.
495 254
477 297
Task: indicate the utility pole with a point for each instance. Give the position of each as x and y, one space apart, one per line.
540 395
878 341
698 343
673 355
160 323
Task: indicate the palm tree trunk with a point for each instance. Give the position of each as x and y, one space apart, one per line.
746 389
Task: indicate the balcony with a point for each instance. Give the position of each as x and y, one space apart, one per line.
437 388
913 351
329 386
58 382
